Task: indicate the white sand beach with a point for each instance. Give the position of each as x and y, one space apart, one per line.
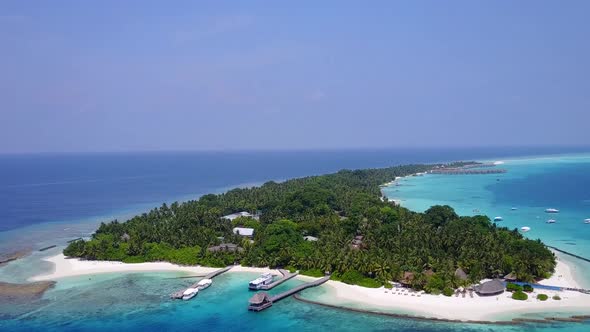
376 299
488 308
70 267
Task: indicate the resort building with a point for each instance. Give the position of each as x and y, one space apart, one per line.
460 274
227 247
247 232
510 277
357 242
489 288
259 301
233 216
310 238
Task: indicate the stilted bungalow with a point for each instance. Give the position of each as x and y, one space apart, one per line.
259 301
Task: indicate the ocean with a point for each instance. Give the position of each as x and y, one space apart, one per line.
51 198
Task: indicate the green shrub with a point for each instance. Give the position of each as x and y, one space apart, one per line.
527 288
312 273
556 297
448 291
542 297
388 285
513 287
357 278
520 296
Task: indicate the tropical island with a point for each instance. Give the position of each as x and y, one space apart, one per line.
337 223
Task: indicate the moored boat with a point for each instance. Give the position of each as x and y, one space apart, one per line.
552 210
525 229
189 293
204 284
551 221
264 279
587 221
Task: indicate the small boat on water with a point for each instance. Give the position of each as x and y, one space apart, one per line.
551 221
587 221
264 279
498 219
514 209
189 293
552 210
525 229
204 284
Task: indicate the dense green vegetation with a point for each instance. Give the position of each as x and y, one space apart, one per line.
334 208
513 287
542 297
527 288
520 296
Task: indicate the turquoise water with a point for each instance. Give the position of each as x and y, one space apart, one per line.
530 185
139 301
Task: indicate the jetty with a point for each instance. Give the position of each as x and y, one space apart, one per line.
286 276
262 300
178 295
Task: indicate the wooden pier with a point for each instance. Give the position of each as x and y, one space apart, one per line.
286 276
178 295
262 300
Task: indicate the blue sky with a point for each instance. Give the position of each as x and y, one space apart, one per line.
198 75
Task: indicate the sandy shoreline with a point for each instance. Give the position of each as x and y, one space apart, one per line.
493 308
376 299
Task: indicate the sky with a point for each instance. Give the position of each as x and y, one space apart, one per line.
257 75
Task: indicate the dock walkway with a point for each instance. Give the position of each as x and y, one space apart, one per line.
178 295
261 301
286 276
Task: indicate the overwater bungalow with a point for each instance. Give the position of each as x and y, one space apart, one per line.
259 301
490 288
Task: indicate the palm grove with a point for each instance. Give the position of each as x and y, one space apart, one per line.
335 208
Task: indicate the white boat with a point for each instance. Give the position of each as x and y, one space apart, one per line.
525 229
552 210
513 209
204 284
551 221
190 293
264 279
498 219
587 221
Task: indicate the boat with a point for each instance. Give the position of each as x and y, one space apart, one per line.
551 221
587 221
189 293
204 284
498 219
525 229
552 210
514 209
264 279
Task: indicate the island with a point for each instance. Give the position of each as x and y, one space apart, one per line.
341 224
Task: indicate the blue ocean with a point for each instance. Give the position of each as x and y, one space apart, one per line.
49 199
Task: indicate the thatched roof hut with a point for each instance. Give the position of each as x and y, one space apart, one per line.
407 278
510 277
488 288
460 274
259 298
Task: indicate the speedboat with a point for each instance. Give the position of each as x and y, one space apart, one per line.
552 210
525 229
587 221
514 209
551 221
190 293
204 284
264 279
498 219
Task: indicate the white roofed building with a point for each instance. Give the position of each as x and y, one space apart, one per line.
242 231
233 216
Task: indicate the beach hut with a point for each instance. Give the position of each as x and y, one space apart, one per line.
460 274
510 277
259 301
489 288
242 231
